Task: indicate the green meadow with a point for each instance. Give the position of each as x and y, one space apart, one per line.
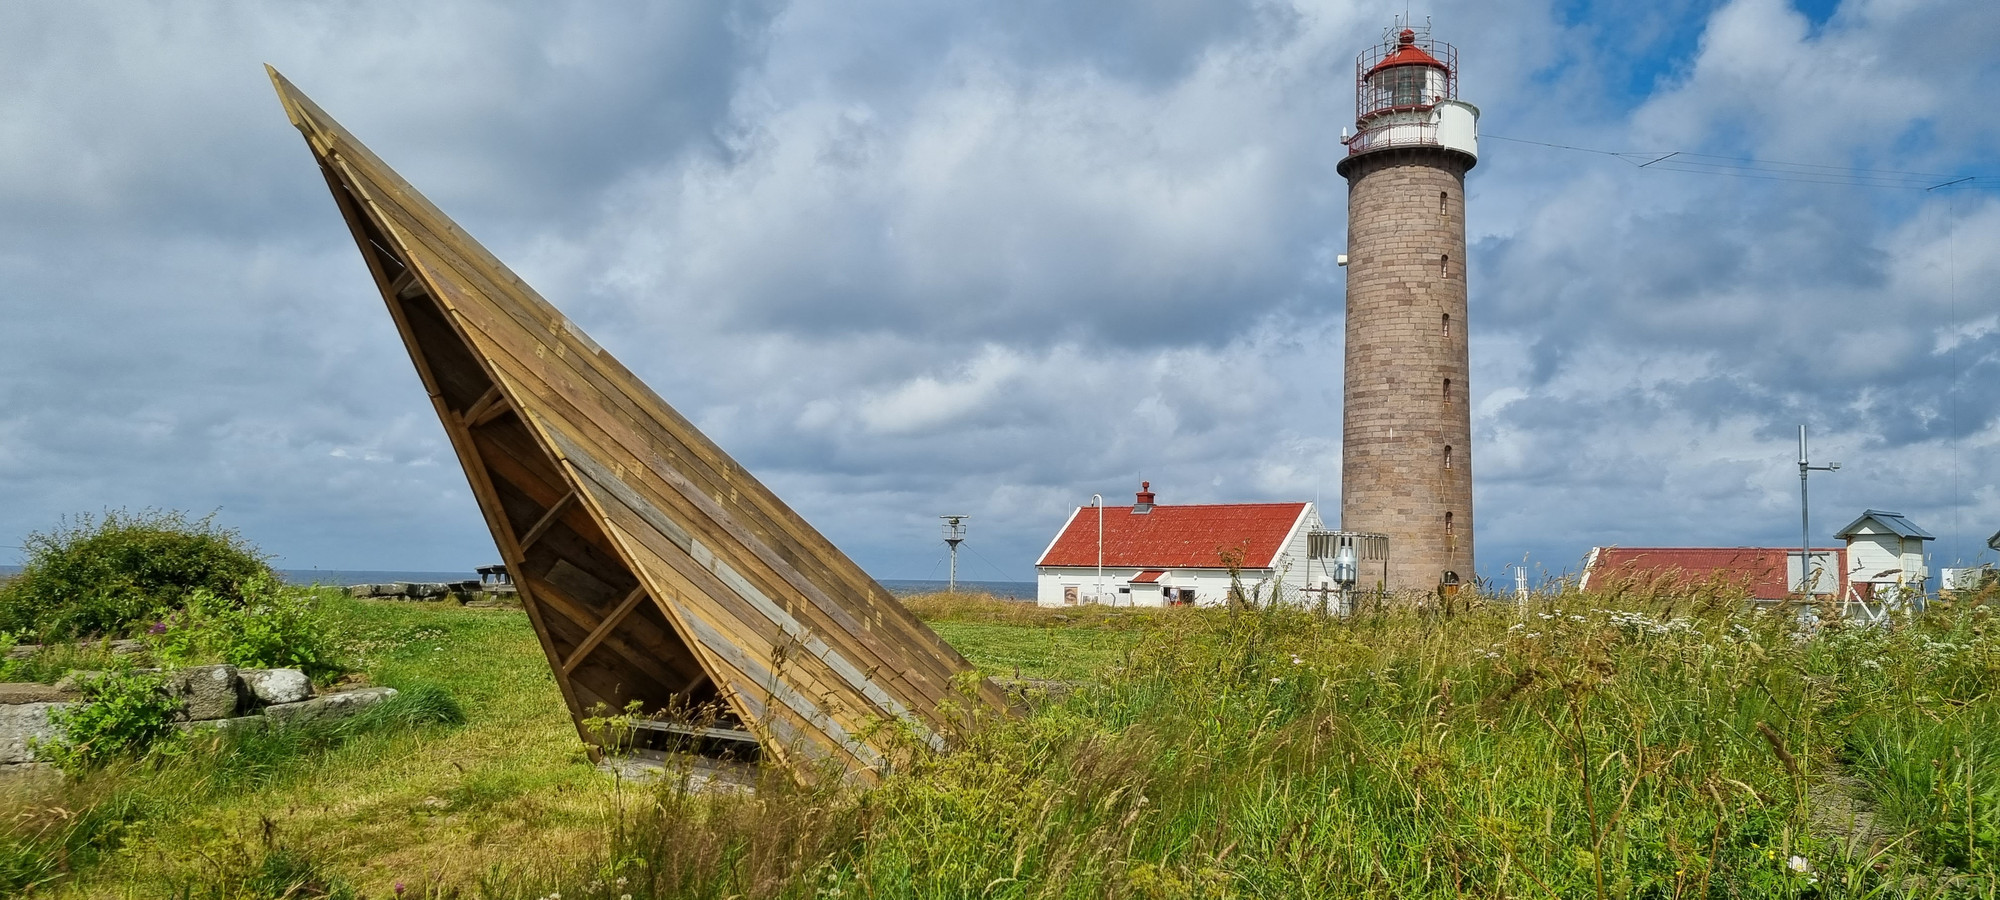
1583 746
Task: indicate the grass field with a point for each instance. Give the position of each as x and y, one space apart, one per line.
1586 747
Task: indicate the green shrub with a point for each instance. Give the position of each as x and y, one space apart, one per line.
116 574
267 625
124 714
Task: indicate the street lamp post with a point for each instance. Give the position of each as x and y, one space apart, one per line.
1097 500
1805 516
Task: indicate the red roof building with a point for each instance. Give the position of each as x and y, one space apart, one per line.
1153 554
1764 573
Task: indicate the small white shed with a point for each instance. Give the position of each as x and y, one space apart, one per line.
1885 555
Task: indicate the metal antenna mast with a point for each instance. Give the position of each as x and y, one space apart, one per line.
1806 468
954 534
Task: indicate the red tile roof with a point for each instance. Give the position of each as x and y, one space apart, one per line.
1186 537
1761 571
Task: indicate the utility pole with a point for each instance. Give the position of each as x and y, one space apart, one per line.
1097 500
1806 468
954 534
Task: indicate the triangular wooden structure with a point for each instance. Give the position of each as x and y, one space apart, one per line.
655 569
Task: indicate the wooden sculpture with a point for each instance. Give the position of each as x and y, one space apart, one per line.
656 571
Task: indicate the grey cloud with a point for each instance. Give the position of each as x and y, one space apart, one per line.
903 259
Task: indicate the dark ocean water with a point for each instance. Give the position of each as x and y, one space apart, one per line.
1019 590
345 577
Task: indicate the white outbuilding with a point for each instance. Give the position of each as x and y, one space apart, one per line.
1149 554
1885 556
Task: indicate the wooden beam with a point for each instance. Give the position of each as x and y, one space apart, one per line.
481 405
547 521
603 629
493 411
403 282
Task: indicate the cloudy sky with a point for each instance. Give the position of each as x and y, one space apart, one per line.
909 258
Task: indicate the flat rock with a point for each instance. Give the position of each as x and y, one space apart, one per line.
271 686
207 692
22 723
329 706
240 723
12 693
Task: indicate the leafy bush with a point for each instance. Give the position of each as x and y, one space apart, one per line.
125 714
118 573
266 626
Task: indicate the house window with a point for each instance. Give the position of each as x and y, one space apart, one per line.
1447 456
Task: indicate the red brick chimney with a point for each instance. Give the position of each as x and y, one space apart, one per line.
1145 504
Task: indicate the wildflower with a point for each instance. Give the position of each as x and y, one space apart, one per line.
621 881
399 889
1276 680
1296 660
157 628
1798 864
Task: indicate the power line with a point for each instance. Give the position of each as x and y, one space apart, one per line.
1774 170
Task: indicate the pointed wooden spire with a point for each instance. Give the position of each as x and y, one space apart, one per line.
656 571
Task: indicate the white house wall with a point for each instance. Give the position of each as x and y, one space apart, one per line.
1211 586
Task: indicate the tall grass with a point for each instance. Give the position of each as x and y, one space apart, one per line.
1655 748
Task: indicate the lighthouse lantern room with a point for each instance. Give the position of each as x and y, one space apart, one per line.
1406 94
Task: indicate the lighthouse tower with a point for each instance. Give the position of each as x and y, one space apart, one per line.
1406 465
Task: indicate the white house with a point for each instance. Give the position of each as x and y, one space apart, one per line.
1885 555
1149 554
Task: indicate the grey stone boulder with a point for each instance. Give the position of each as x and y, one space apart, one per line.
12 693
77 680
207 692
328 706
240 723
271 686
23 723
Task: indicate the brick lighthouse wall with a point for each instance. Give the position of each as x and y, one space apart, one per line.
1405 274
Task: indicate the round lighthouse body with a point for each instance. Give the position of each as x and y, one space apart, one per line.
1406 468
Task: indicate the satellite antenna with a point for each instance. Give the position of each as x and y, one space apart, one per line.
954 534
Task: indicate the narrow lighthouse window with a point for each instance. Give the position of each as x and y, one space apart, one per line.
1447 456
1444 266
1450 539
1447 392
1444 199
1447 324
